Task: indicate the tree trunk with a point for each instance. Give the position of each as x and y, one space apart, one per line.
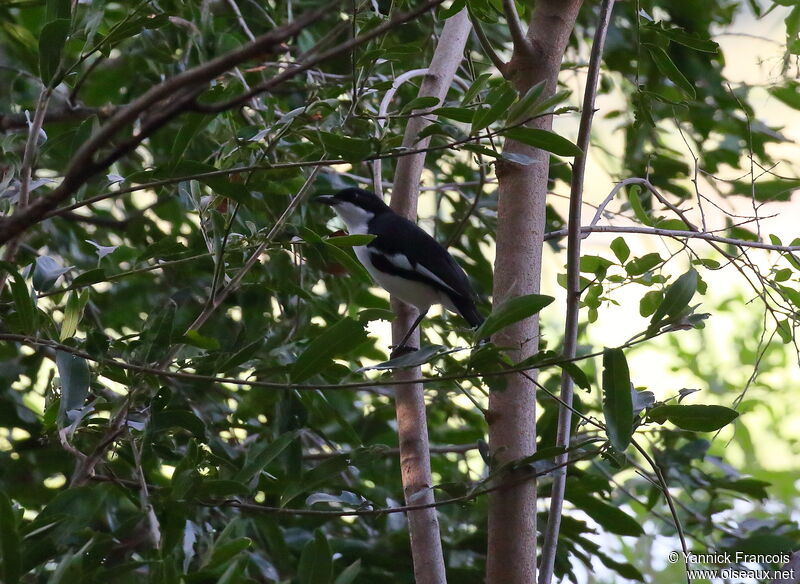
511 554
412 429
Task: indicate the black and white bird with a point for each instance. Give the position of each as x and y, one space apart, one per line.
406 261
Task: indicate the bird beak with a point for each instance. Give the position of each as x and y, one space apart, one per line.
329 200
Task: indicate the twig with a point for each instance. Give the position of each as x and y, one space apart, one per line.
217 299
486 45
240 19
39 342
333 52
383 108
154 528
26 171
550 542
515 27
527 476
453 449
164 101
679 234
401 153
59 114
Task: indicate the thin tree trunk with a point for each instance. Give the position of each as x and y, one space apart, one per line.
550 542
511 554
412 428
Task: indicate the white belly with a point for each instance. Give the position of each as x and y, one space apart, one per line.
410 291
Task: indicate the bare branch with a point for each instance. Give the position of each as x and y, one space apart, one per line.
172 96
518 34
26 171
365 385
486 45
58 114
550 543
741 243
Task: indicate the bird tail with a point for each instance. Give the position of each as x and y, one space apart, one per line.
466 308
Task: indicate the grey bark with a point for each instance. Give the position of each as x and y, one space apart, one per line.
426 545
521 219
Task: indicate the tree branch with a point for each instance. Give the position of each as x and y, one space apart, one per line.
741 243
58 114
172 98
550 542
486 45
412 427
287 386
518 35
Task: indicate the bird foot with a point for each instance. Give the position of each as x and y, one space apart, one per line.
401 350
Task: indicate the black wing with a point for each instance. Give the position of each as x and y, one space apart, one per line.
430 262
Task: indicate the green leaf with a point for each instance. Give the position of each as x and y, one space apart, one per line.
697 418
650 302
225 552
459 114
166 419
9 542
57 9
195 339
676 298
477 86
577 374
617 401
498 99
226 186
620 249
594 264
350 149
668 68
611 518
24 303
157 332
261 454
749 486
350 572
51 44
788 94
316 561
765 190
421 103
221 489
543 139
132 27
75 378
322 474
639 266
413 359
350 240
635 199
511 311
353 266
443 14
89 277
765 543
522 109
72 314
684 38
335 340
623 569
46 272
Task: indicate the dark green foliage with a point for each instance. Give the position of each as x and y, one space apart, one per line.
104 296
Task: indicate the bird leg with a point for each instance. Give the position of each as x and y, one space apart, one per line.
401 348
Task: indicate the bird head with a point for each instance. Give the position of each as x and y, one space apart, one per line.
355 207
